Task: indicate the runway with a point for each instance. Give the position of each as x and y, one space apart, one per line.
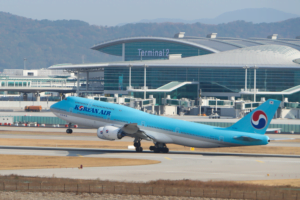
45 133
174 166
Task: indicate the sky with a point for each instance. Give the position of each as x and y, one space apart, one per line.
114 12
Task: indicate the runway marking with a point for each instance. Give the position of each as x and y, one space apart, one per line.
260 161
168 158
79 155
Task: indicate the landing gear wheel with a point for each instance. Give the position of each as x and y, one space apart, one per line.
159 148
152 148
139 149
165 150
69 131
137 144
156 150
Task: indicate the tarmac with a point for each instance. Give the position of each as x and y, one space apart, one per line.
42 130
173 166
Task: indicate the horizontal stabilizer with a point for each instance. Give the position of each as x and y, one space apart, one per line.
274 139
245 138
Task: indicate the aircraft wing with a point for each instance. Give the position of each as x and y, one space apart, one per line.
133 130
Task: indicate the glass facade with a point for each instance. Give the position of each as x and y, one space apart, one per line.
153 50
186 91
221 80
210 80
115 50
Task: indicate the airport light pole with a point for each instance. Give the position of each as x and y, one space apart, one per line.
254 94
87 80
145 74
129 76
25 63
246 67
77 89
82 58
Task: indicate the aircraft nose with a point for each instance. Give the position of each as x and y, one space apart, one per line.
54 105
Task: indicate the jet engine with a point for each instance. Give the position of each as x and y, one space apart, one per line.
109 133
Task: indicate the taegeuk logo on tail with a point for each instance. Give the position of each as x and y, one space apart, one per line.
259 119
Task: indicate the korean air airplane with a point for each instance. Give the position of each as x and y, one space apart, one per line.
113 122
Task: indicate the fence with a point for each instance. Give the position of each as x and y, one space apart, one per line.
148 190
39 120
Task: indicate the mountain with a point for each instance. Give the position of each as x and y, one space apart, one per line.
45 43
254 15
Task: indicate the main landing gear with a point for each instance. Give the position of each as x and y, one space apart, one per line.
69 131
137 144
159 148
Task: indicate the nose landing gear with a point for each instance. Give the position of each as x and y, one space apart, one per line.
159 148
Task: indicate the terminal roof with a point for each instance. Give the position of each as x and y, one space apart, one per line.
214 45
153 39
263 56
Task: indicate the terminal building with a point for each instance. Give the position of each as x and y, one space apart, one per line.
35 84
189 67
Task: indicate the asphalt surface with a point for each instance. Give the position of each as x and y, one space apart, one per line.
44 133
173 166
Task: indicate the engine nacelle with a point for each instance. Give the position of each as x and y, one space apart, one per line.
109 133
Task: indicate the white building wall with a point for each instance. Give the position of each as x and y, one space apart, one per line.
291 113
22 104
26 72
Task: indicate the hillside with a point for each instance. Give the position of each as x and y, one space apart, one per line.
255 15
45 42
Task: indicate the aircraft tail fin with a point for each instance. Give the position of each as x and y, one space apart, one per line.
259 119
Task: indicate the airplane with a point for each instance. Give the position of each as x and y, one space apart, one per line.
114 121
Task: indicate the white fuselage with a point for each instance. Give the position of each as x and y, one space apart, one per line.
160 135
